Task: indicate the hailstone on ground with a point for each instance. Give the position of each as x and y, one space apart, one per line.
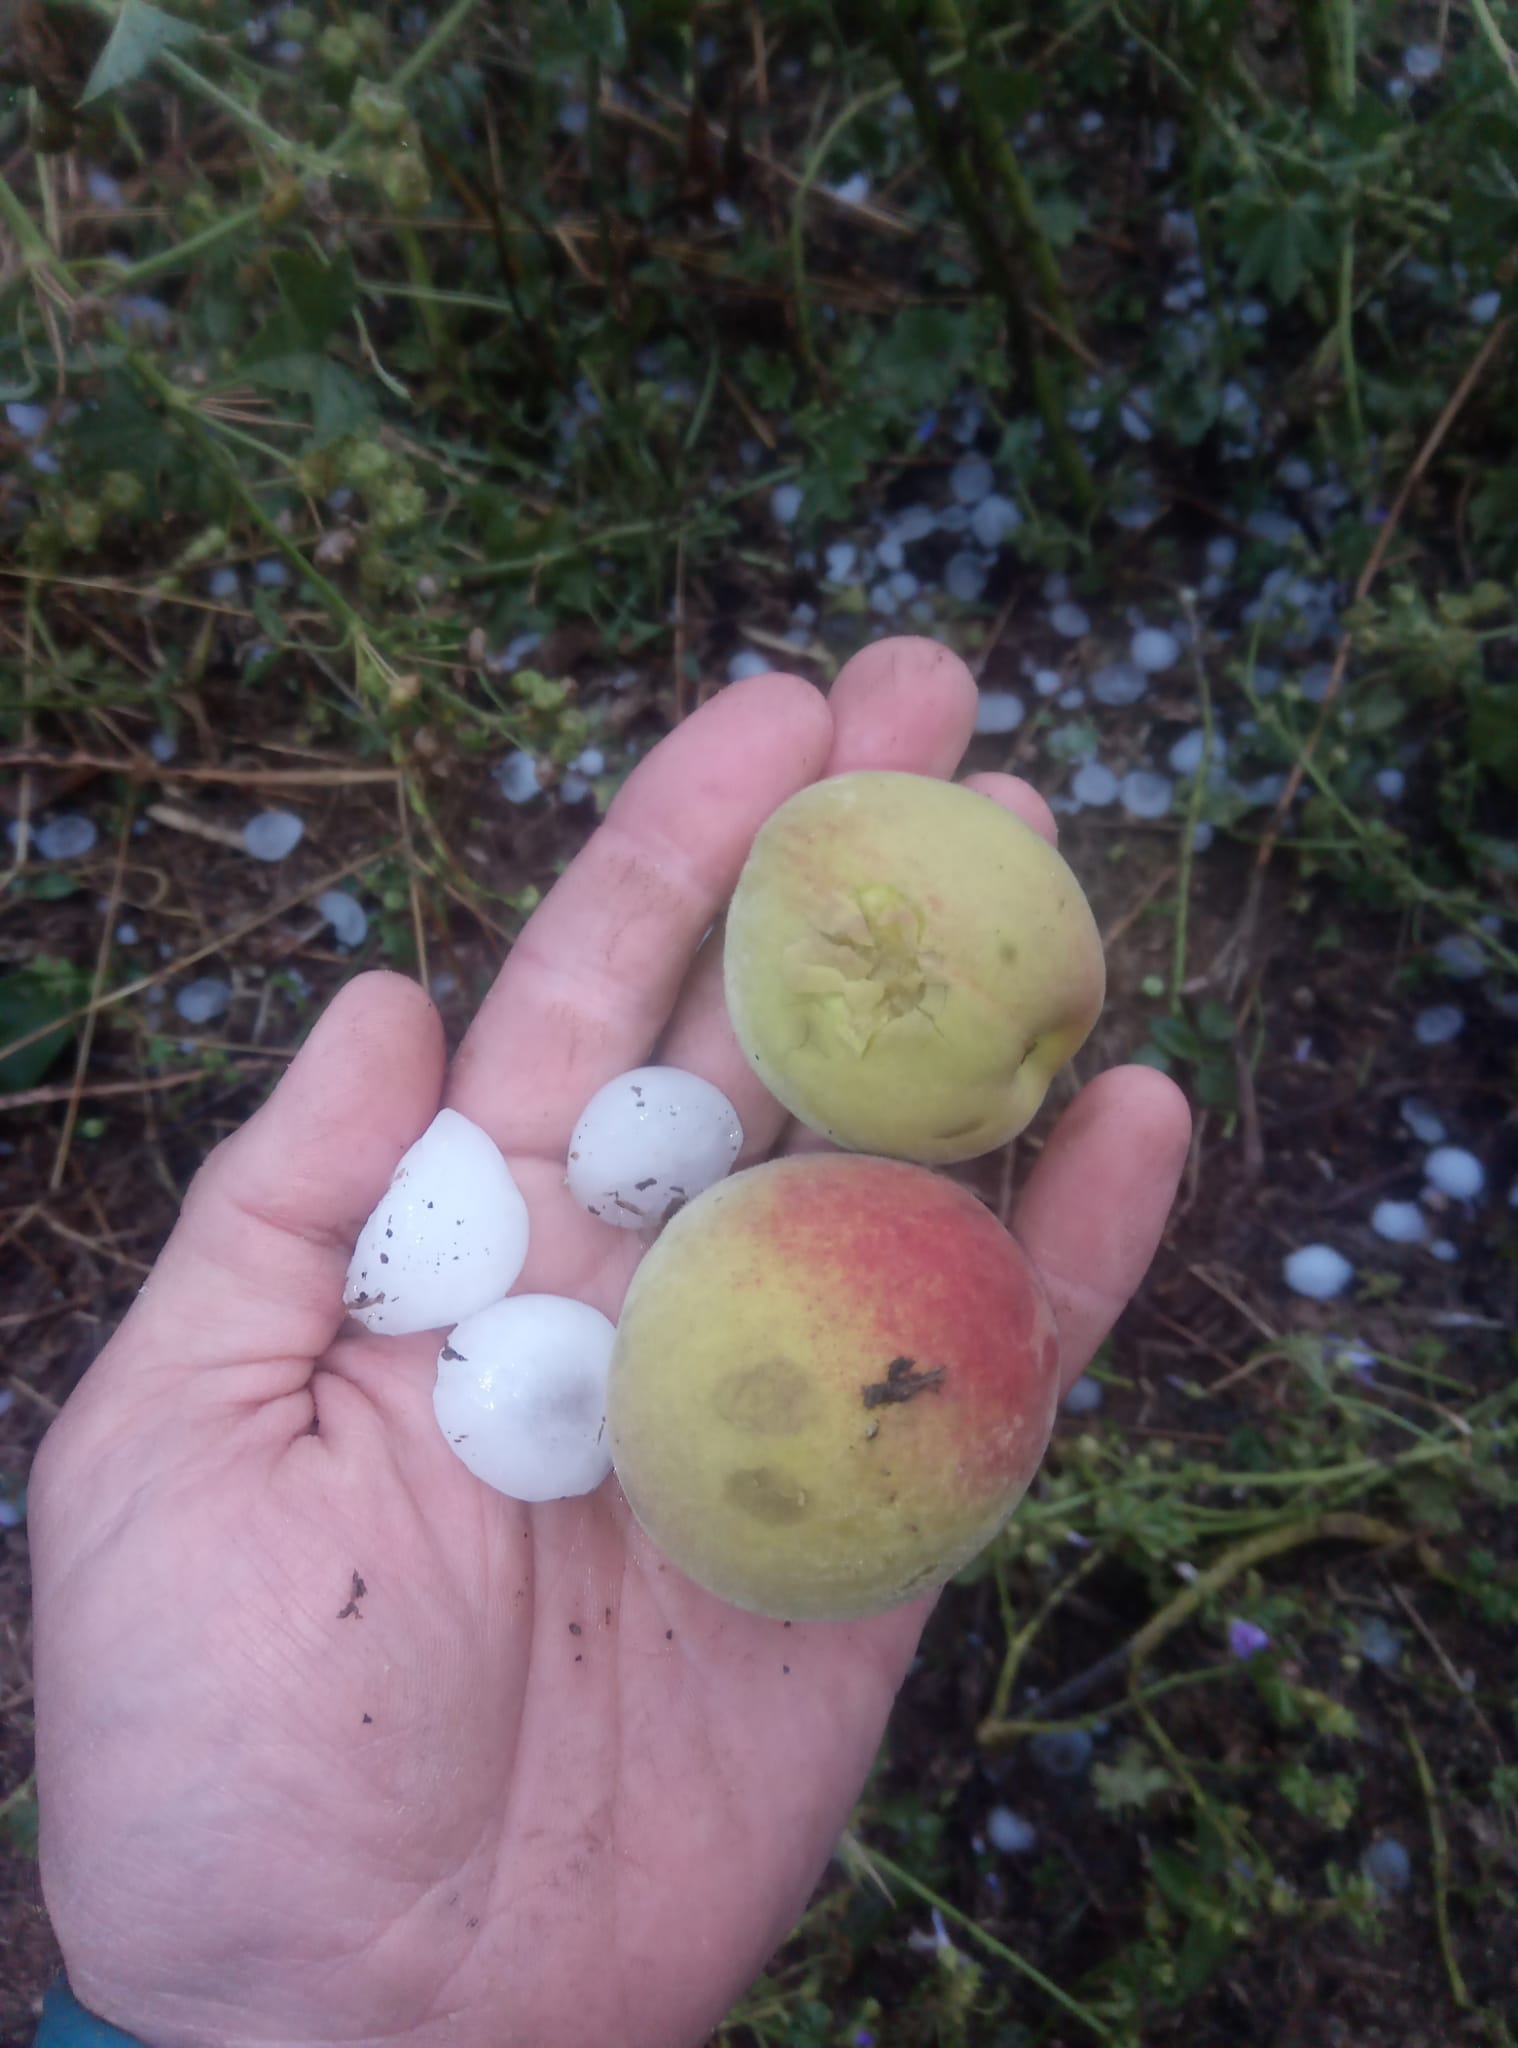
448 1237
648 1142
521 1396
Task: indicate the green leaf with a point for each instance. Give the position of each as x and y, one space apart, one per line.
1175 1036
318 296
30 998
18 1817
1214 1022
141 32
1131 1784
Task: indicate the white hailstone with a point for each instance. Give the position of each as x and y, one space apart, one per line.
913 523
1202 835
971 479
746 662
1095 785
1084 1397
574 788
271 835
1390 783
1009 1832
785 503
223 583
1422 1120
1461 956
889 553
517 776
1317 1271
1154 650
1134 417
65 837
1296 474
126 934
883 601
1482 309
1144 794
521 1396
515 652
954 519
1085 419
649 1141
840 559
273 572
993 519
1444 1250
1056 588
904 585
1313 682
1048 682
1274 528
447 1238
1071 699
1438 1025
201 1001
998 711
1069 621
1119 683
346 915
590 761
1091 122
726 213
1422 60
1388 1866
1253 313
854 190
1378 1642
1185 757
163 747
964 577
1398 1222
1455 1172
1222 552
1137 514
29 421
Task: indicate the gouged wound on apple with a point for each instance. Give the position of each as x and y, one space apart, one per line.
907 965
833 1379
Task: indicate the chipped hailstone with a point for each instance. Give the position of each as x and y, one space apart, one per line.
1317 1271
1009 1832
1378 1642
1084 1397
745 663
649 1141
1398 1222
1455 1172
1144 794
1482 310
964 577
1437 1026
998 711
346 915
1069 621
1094 784
1154 650
1422 60
840 559
272 834
1388 1866
521 1396
447 1238
198 1002
517 777
1422 1120
1119 683
1461 956
65 837
971 479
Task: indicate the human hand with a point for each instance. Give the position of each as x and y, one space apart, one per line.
336 1745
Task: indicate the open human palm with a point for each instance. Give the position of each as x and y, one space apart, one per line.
336 1745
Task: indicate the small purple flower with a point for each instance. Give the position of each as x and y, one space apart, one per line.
863 2038
1246 1639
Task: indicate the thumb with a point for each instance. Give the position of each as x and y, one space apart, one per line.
255 1266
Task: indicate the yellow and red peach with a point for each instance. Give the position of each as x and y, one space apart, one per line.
833 1379
907 965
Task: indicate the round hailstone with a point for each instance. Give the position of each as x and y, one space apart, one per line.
272 572
272 835
346 915
854 190
785 503
914 523
971 479
1138 514
521 1396
1390 783
1398 1222
998 711
1444 1249
1119 683
1388 1866
1317 1271
126 935
1203 832
993 519
447 1238
1144 794
1422 1120
1274 528
1422 60
1062 1752
746 662
1222 552
223 583
517 777
1253 313
64 838
840 560
1048 682
1455 1172
889 553
198 1002
1084 1397
1069 621
1071 699
1095 785
883 601
1154 650
590 761
1461 956
1439 1025
1185 757
1379 1643
1009 1832
1296 474
648 1142
964 577
574 788
1482 310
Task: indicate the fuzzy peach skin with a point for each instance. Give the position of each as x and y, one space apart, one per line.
907 965
834 1378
